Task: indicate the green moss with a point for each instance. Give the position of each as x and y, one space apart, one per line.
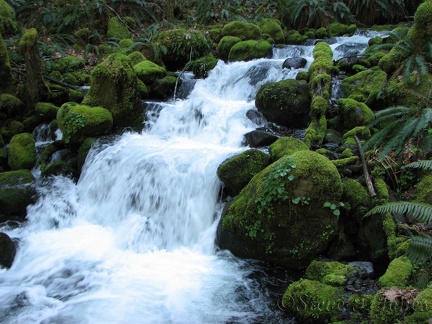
312 301
83 151
424 190
393 241
362 132
163 88
116 29
28 40
236 172
16 192
136 57
365 86
286 146
316 131
422 308
148 72
10 105
397 274
386 307
409 94
343 163
285 102
319 105
347 153
381 189
68 64
114 85
271 216
182 45
242 30
202 66
294 37
225 45
354 113
249 50
273 28
323 60
321 33
46 111
22 152
8 24
330 273
5 69
356 199
359 303
337 29
320 85
79 121
125 43
143 90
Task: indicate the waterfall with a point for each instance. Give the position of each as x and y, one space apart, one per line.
133 240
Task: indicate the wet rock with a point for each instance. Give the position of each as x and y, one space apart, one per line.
294 62
7 250
259 138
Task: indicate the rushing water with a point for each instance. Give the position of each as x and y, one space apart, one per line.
133 240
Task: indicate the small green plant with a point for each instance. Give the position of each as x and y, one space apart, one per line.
73 122
274 185
334 207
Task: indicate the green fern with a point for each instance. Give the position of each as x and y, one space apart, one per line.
418 211
420 164
420 248
399 125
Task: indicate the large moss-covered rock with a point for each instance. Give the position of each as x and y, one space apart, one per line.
285 103
286 146
117 29
354 113
249 50
410 93
421 31
17 191
337 29
236 172
164 88
10 106
68 63
46 111
397 274
148 72
7 250
22 152
202 66
182 46
242 30
114 85
422 308
313 302
80 121
280 215
273 28
365 86
225 45
424 190
391 305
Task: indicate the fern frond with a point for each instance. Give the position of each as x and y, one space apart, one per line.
420 248
380 137
419 211
399 139
420 164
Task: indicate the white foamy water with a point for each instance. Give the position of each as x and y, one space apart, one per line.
133 240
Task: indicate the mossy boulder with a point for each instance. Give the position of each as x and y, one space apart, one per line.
331 273
279 217
295 38
323 60
357 203
202 66
182 46
7 250
285 103
286 146
117 29
410 93
10 106
148 72
80 121
311 301
17 191
114 85
337 29
236 172
422 308
250 50
242 30
391 305
225 45
365 86
164 88
272 27
421 31
46 111
68 63
354 113
397 274
22 152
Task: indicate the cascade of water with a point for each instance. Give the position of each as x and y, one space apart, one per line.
133 240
